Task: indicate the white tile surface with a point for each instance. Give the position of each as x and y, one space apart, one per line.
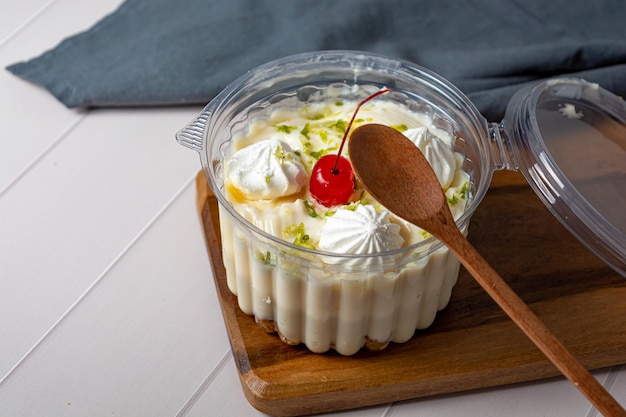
16 15
44 120
141 340
543 399
107 305
617 383
76 16
72 213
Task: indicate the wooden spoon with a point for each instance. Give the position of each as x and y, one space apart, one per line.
394 171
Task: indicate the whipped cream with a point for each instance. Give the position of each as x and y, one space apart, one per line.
266 179
360 231
265 170
569 110
438 154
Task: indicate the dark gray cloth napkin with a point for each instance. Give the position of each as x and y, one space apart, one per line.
167 52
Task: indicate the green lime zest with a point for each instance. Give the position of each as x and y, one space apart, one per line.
266 258
285 128
339 125
306 130
309 208
400 128
318 154
299 235
465 190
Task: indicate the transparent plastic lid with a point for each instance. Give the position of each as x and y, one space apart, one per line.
568 137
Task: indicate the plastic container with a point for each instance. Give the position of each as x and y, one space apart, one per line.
344 302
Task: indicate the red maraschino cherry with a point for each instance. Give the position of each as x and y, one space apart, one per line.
332 178
331 186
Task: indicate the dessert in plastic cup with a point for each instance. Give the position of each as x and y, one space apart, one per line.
332 269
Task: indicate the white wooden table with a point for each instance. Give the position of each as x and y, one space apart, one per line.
107 304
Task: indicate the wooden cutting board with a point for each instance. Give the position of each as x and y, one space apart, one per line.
472 343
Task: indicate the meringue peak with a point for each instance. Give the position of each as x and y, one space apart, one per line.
438 154
360 231
267 169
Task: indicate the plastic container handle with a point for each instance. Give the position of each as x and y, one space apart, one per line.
191 136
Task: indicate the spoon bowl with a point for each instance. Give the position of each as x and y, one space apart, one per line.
396 173
408 186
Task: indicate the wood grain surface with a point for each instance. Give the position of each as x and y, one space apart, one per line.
472 343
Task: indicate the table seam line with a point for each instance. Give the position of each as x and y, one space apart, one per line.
29 166
204 385
608 383
26 22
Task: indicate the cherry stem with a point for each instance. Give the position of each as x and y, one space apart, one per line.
335 169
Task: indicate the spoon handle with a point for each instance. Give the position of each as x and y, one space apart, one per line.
530 324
